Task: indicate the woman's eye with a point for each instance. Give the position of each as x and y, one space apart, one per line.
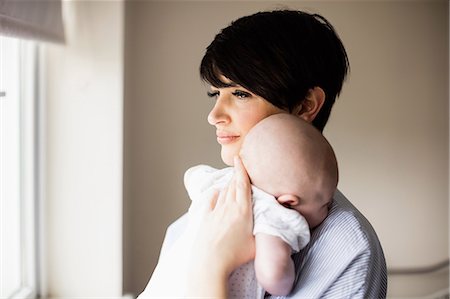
213 94
241 94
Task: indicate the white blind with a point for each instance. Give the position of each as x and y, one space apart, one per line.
32 19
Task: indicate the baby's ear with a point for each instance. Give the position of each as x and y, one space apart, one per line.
288 200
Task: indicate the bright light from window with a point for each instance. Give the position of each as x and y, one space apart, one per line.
10 167
17 200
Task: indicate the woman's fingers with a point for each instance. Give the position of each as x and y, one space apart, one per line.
238 190
228 193
242 182
213 199
222 236
222 196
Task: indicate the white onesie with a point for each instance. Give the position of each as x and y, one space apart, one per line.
269 217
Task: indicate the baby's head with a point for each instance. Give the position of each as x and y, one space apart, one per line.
290 159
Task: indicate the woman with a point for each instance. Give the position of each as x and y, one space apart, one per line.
263 64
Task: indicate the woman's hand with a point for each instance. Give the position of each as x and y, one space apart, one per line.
222 237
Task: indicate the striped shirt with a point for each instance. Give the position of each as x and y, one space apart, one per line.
343 259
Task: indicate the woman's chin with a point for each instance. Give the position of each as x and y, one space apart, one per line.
227 158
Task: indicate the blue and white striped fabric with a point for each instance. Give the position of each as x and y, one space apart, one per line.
343 259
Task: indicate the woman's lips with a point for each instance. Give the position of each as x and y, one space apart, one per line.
227 140
223 138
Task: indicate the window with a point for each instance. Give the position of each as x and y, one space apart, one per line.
18 200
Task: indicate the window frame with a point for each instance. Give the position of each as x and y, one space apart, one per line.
29 166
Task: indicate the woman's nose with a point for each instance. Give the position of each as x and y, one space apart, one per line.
218 113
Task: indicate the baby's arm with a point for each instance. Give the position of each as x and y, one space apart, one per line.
273 264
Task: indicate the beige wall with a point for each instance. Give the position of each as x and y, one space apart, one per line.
83 95
389 128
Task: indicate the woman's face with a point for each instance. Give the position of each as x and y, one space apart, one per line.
235 112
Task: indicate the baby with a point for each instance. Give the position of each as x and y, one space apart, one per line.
294 174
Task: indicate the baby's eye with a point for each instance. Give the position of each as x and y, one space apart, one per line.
241 94
213 94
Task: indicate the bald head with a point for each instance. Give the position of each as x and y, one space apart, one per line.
290 159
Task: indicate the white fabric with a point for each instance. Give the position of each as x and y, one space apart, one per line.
269 216
344 258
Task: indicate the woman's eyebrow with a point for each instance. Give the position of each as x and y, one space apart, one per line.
231 84
226 84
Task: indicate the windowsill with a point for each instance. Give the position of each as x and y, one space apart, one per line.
126 296
25 292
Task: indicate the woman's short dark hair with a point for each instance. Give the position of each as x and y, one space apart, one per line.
279 55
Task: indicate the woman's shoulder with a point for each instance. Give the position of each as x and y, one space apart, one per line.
178 226
346 227
174 231
346 250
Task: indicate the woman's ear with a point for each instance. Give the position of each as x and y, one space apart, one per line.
311 105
